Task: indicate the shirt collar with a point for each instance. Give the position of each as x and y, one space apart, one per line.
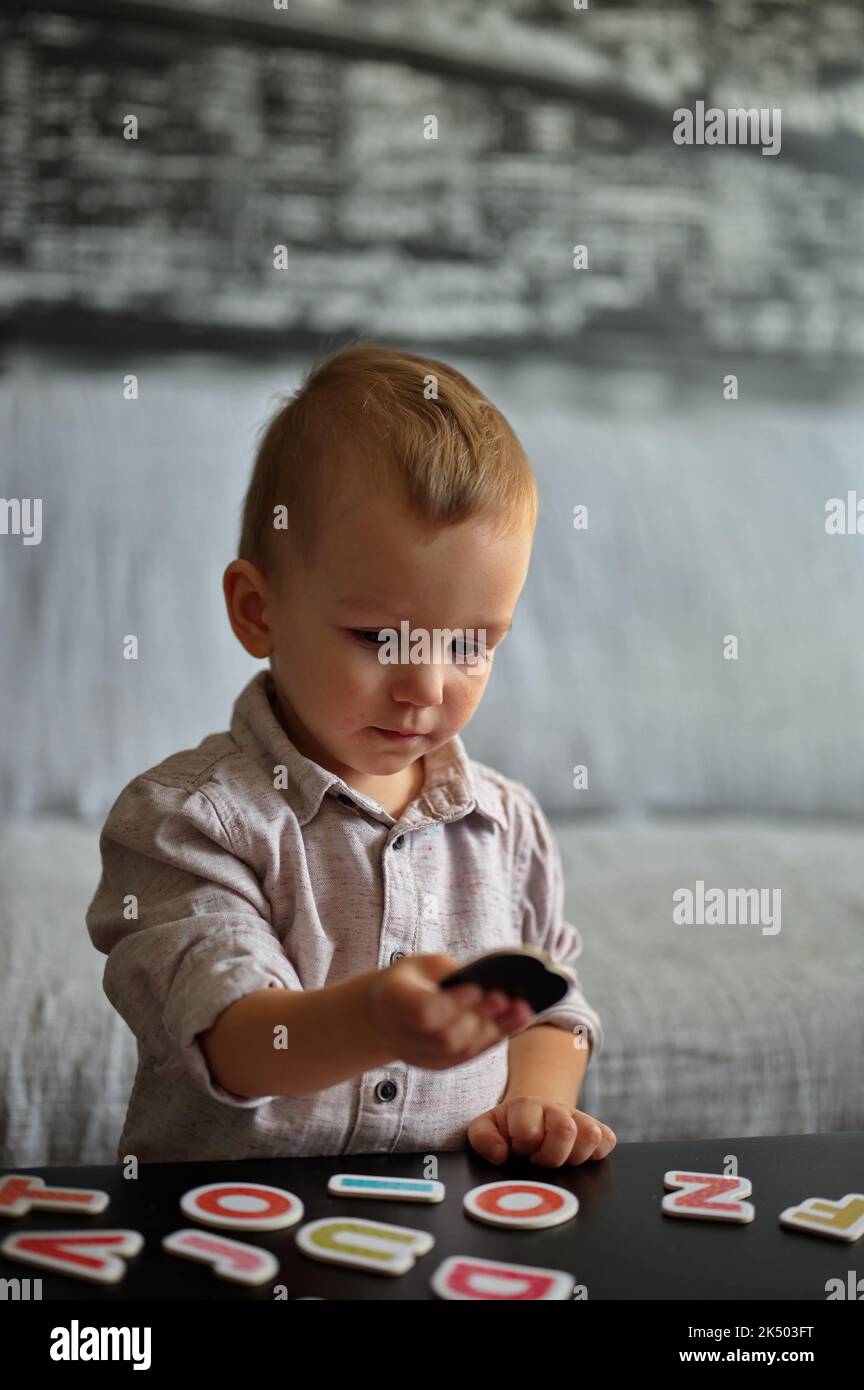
453 787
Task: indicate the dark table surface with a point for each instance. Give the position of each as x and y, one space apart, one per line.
619 1245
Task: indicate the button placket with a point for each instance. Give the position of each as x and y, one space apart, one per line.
384 1118
400 876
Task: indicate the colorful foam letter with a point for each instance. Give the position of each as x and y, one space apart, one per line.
520 1202
242 1206
83 1254
468 1277
386 1189
19 1192
709 1196
361 1244
841 1220
230 1259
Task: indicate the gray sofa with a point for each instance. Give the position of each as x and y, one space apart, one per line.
704 521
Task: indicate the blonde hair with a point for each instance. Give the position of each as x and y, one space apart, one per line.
452 456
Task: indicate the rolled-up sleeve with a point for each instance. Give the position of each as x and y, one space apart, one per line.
184 923
540 885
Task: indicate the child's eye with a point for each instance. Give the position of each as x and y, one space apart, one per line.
463 652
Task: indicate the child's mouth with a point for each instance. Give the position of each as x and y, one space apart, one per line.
395 734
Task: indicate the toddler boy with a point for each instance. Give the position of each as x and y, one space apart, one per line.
278 904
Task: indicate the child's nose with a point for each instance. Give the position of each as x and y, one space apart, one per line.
422 684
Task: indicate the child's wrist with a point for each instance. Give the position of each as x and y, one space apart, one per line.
368 1021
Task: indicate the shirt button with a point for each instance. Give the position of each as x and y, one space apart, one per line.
396 955
397 843
386 1090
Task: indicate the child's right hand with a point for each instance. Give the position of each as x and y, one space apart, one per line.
437 1028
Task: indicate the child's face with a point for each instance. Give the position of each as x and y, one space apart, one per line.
374 568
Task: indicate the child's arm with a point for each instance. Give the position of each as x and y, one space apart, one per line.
329 1036
537 1116
336 1033
540 889
182 915
196 968
545 1062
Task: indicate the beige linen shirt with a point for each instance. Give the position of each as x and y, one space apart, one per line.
251 867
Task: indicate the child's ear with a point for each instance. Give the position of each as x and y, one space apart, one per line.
247 595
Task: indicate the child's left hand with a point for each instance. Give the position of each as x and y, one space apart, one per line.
547 1131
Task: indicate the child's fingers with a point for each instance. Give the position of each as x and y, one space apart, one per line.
464 996
494 1003
516 1016
466 1019
485 1139
447 1006
476 1032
